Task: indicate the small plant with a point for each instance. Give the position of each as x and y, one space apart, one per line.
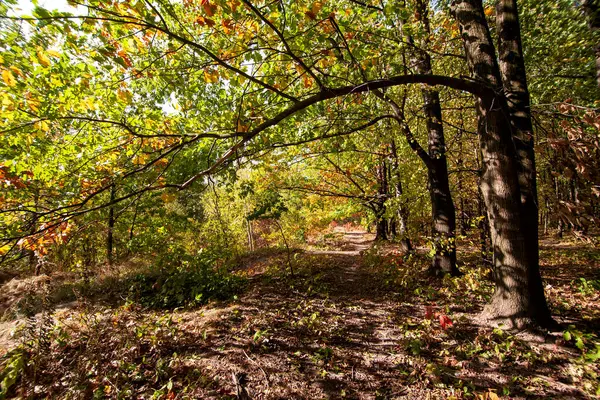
11 368
588 287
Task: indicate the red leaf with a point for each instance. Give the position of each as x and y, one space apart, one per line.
445 322
428 312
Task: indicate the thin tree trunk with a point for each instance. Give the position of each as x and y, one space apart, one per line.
111 225
287 248
442 206
518 299
382 189
402 213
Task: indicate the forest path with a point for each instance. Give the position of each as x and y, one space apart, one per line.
350 324
343 327
347 256
352 244
331 331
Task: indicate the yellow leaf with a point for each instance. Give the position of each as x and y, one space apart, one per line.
42 126
493 396
9 78
54 53
44 60
17 71
1 59
316 7
489 11
211 76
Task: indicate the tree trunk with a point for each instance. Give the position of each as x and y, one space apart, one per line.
381 226
442 206
518 299
592 10
111 225
402 212
514 81
382 195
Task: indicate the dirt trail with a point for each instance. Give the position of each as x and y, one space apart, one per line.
353 243
340 330
337 331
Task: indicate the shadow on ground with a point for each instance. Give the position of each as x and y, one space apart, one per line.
344 326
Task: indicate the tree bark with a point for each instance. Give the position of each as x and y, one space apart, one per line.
592 10
402 212
111 225
382 195
442 206
514 81
518 298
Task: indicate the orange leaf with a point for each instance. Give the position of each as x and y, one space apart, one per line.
233 4
209 9
205 21
227 26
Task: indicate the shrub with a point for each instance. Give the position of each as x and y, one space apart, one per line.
180 279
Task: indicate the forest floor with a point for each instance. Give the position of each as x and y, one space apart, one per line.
356 321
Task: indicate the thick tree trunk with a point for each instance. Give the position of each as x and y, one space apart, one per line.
514 81
442 206
518 299
381 226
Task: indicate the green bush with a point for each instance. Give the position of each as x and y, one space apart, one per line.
179 280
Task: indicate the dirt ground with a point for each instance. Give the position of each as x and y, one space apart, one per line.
351 324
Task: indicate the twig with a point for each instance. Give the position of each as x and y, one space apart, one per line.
259 367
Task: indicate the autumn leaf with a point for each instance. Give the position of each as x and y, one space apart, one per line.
167 197
316 7
43 58
233 4
17 71
227 26
8 78
162 162
124 95
211 76
445 322
310 15
428 312
202 21
209 8
493 396
241 127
